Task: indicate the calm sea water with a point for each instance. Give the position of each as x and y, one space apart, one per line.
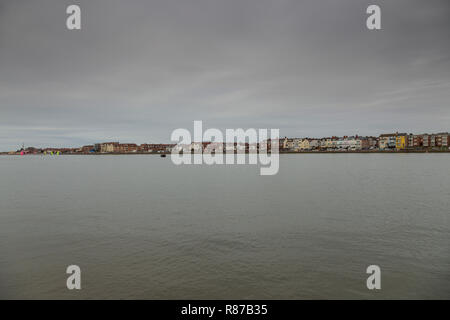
141 227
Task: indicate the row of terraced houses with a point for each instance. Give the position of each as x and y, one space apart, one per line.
389 141
384 142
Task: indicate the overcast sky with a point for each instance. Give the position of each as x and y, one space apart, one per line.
137 70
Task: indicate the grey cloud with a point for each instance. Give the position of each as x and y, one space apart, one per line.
139 69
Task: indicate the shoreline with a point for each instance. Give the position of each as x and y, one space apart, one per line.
281 152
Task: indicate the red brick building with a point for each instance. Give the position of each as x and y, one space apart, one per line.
128 148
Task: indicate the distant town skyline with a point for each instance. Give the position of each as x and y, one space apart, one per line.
397 141
137 70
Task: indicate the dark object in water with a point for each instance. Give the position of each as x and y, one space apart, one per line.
163 156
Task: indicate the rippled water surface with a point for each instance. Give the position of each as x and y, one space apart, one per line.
141 227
